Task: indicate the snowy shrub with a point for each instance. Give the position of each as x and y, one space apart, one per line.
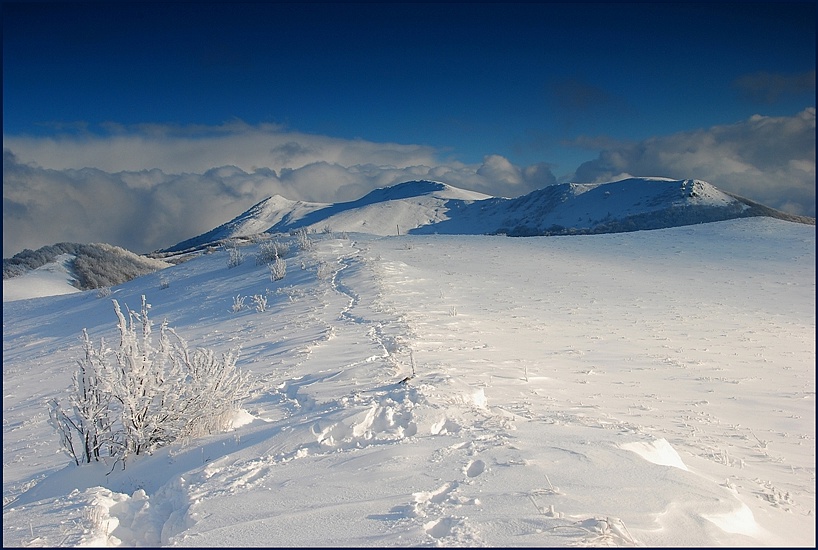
238 303
235 258
140 396
164 282
11 270
270 251
278 269
260 301
104 292
89 425
303 239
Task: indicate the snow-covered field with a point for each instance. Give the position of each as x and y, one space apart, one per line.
649 388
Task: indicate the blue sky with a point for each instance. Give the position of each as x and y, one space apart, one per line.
504 98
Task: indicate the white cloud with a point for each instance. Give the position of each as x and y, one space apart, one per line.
499 168
140 211
151 186
196 149
152 189
770 160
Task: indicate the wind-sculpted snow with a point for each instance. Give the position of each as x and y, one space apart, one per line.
638 389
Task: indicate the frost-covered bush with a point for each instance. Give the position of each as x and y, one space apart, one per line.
88 427
235 257
11 270
260 301
303 239
278 269
238 303
270 251
142 395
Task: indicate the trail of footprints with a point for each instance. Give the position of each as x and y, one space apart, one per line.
442 512
391 414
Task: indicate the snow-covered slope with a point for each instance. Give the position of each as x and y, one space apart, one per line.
648 388
427 207
384 211
258 219
630 204
52 279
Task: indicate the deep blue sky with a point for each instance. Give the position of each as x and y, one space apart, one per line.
476 79
196 111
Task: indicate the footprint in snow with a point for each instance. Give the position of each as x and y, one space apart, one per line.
475 468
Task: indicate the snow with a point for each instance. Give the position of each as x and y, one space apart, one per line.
383 211
651 388
431 207
51 279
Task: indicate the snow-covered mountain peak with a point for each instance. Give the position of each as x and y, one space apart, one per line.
655 193
383 211
426 206
267 211
416 189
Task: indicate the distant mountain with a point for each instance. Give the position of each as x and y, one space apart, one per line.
628 205
427 207
385 211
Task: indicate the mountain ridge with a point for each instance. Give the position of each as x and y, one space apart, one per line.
428 207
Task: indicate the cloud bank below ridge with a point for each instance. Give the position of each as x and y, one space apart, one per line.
147 186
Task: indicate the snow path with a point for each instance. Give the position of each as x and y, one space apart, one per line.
653 388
